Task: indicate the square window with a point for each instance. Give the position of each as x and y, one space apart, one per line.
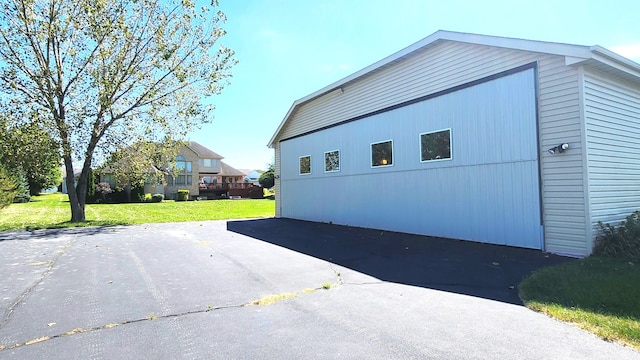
435 145
180 180
382 153
332 161
305 165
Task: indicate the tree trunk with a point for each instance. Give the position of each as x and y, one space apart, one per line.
77 209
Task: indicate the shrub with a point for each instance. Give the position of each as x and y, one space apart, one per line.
622 241
102 190
144 197
183 195
137 193
22 198
267 179
23 195
157 198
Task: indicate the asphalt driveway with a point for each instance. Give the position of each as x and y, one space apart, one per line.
190 291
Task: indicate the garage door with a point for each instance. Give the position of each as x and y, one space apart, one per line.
487 190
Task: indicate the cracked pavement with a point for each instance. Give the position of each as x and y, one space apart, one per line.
189 291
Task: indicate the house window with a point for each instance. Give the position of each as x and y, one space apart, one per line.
189 180
182 165
305 165
435 145
332 161
180 180
208 162
382 153
108 179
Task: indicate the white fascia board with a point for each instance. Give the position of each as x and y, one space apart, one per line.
572 60
616 61
578 51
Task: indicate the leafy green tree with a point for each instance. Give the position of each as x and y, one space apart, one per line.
267 178
134 165
106 74
8 187
28 147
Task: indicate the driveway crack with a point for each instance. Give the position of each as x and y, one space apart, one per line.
267 300
16 302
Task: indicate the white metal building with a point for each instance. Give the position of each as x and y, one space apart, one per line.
453 137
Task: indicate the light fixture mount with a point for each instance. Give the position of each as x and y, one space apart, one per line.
559 149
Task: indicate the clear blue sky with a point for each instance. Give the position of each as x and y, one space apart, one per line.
288 49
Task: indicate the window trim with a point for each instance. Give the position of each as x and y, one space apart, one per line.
300 168
433 132
371 154
325 161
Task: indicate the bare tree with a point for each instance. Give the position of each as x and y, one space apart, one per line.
108 73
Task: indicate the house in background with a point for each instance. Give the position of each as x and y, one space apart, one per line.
202 172
251 176
63 186
482 138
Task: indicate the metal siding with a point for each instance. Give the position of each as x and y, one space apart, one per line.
488 192
612 110
450 64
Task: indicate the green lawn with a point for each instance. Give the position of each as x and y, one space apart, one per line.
52 211
601 295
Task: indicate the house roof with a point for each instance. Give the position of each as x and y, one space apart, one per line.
228 170
202 151
596 56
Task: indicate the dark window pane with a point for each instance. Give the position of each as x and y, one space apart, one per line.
305 165
435 146
332 161
382 153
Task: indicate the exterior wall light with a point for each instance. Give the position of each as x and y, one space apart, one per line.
558 149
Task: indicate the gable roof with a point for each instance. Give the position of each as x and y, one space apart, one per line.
595 56
202 151
228 170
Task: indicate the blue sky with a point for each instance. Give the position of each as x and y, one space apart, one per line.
288 49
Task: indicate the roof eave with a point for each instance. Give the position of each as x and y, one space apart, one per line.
573 54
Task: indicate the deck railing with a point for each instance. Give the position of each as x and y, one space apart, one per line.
224 187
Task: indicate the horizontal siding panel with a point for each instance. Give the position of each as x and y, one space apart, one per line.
438 68
612 111
569 226
563 80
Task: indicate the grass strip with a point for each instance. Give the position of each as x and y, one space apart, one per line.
600 295
51 211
